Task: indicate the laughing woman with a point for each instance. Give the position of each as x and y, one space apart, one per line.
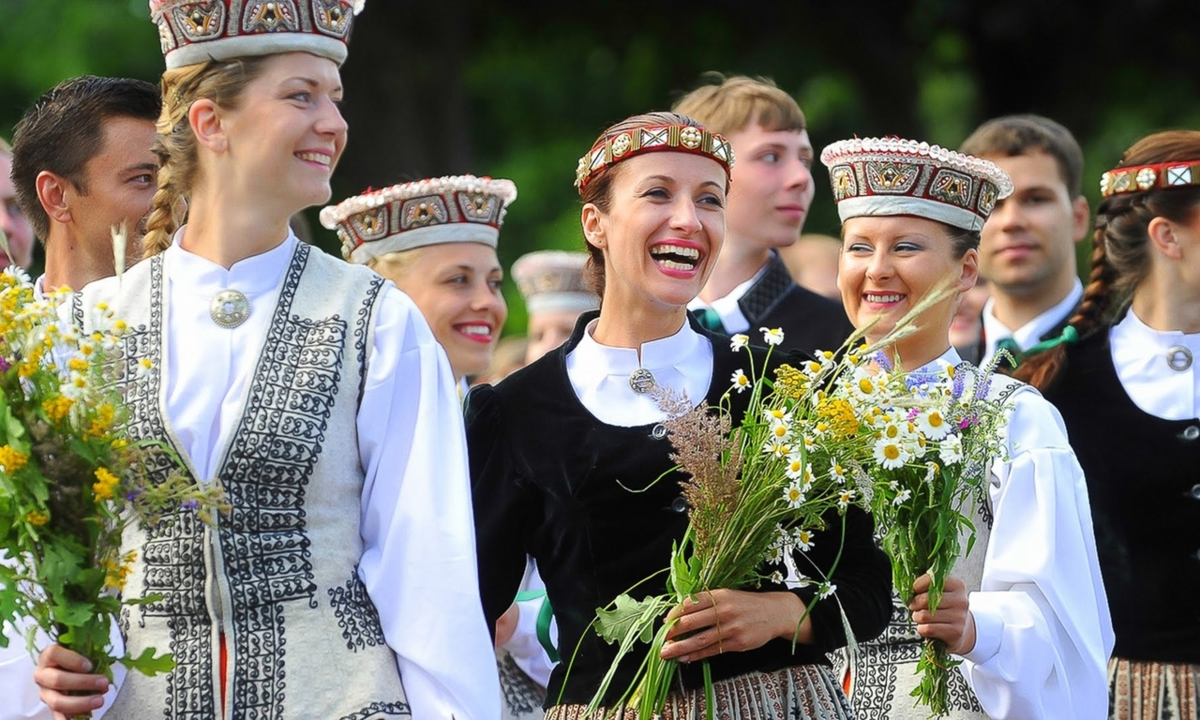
557 447
342 582
1025 610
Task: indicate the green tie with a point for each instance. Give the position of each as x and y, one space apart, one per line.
709 319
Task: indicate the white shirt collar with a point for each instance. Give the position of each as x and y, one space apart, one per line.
1139 353
253 276
599 375
1030 333
727 308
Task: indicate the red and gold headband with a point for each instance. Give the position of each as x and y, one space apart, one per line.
1139 178
637 141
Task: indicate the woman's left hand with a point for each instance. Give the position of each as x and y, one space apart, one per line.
953 623
724 621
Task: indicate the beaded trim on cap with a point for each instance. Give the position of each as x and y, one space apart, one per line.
676 138
1139 178
195 31
892 176
551 280
459 208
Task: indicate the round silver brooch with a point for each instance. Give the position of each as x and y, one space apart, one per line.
641 380
1179 358
229 308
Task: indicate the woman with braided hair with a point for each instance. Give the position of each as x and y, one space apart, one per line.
342 583
1126 384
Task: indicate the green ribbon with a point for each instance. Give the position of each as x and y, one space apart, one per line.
1069 336
545 616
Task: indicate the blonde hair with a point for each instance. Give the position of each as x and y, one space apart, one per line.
395 265
175 145
730 104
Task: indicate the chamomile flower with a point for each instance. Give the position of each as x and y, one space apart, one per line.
836 472
803 540
795 468
775 554
933 424
826 589
739 341
950 449
739 380
777 577
772 336
890 454
143 367
847 496
902 497
778 448
793 495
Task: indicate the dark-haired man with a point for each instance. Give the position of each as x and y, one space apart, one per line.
83 165
1027 246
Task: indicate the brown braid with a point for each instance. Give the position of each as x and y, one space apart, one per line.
175 145
1121 246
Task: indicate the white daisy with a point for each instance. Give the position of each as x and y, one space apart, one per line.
739 380
793 495
772 336
739 341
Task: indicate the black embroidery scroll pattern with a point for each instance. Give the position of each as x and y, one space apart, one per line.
356 614
362 326
380 710
271 459
173 555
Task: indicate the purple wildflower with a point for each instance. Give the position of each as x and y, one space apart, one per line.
189 505
981 390
882 360
959 385
4 364
967 422
912 414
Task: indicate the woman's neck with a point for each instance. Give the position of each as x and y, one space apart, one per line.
227 230
633 329
1167 306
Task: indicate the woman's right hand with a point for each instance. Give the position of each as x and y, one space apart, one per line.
67 688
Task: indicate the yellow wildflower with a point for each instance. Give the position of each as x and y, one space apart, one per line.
78 364
57 408
790 382
838 414
106 483
12 460
101 422
36 518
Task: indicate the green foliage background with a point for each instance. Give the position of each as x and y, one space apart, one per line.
519 90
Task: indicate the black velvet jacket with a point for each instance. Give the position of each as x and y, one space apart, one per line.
550 480
809 321
1143 479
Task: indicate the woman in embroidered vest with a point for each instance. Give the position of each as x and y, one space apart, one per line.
1126 385
556 446
1025 610
342 584
436 239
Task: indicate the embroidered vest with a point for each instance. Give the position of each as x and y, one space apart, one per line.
277 575
883 671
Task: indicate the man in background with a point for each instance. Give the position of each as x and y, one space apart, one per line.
1027 246
13 222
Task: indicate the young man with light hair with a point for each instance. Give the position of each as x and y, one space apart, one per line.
769 198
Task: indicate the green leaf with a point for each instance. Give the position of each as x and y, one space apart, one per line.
148 663
627 615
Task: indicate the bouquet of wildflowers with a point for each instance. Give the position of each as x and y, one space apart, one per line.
755 493
70 481
929 440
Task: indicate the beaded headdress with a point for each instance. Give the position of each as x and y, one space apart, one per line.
890 176
461 208
552 281
1139 178
641 140
195 31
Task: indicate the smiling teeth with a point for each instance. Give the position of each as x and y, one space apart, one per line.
476 330
884 298
681 251
672 265
314 157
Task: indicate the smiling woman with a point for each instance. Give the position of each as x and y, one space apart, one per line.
569 463
436 239
1025 612
312 390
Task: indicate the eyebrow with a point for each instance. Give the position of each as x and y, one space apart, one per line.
153 167
310 82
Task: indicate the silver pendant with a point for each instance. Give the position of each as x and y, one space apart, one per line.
229 308
641 380
1179 358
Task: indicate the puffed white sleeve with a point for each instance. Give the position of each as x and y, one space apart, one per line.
1043 632
419 563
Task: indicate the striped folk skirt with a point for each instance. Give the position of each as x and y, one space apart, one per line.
805 692
1139 690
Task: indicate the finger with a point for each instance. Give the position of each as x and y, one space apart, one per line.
922 583
69 706
59 656
693 622
56 680
698 646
